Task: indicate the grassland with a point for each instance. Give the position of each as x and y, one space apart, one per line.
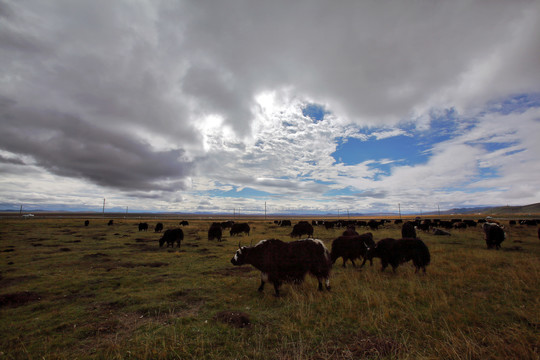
109 292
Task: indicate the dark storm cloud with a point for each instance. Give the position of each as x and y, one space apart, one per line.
69 146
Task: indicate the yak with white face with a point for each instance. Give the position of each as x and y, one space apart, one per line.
281 262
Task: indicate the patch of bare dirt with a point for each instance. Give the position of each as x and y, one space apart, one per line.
18 298
236 319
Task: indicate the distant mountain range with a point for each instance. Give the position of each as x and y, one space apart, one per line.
496 210
532 209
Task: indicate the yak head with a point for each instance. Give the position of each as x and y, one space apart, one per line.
240 257
161 241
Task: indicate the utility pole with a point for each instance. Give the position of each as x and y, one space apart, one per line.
265 211
103 207
399 210
20 211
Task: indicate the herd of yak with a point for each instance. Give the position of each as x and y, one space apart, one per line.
281 261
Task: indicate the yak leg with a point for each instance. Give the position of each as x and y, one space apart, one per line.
363 262
264 278
276 288
353 264
327 281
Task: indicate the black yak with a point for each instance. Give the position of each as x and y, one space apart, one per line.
494 235
86 222
380 250
111 222
143 227
374 224
159 227
281 262
227 224
215 232
302 228
352 247
184 223
284 223
408 230
171 236
239 228
404 250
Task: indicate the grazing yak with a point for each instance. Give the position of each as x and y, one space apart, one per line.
494 235
396 252
404 250
184 223
227 224
351 248
302 228
86 222
281 262
171 236
215 231
374 224
111 222
380 250
143 227
408 230
159 227
240 228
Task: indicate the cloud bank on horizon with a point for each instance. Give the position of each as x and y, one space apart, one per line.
308 106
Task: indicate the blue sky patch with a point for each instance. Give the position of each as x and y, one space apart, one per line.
517 103
314 112
403 148
246 192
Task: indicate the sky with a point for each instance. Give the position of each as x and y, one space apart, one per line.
305 107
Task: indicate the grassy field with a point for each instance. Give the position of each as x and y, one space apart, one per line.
109 292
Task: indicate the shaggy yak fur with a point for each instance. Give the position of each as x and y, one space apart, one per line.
408 230
159 227
240 228
281 262
215 232
396 252
143 227
352 247
494 235
171 236
302 228
380 250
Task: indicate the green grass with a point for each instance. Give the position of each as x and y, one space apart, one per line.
111 292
